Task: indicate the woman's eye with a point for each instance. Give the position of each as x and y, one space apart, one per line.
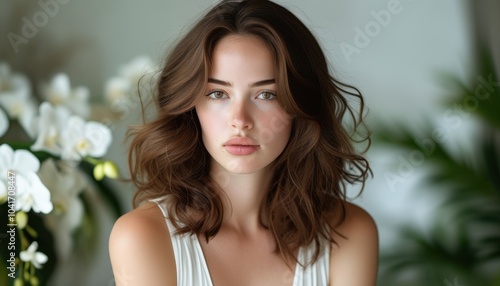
217 95
267 95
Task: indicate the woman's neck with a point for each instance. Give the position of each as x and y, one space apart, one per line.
242 198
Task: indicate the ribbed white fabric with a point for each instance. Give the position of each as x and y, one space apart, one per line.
193 270
315 274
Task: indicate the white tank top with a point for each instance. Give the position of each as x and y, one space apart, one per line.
193 270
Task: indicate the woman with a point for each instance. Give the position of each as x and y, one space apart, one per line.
241 176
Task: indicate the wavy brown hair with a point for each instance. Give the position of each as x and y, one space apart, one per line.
306 199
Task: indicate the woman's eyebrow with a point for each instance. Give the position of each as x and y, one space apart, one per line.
227 83
263 82
220 82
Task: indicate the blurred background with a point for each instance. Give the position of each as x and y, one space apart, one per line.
428 72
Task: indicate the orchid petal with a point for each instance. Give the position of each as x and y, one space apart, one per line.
99 136
25 161
60 93
51 122
4 123
39 259
6 158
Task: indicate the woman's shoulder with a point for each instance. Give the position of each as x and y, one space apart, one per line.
354 259
357 221
143 221
140 248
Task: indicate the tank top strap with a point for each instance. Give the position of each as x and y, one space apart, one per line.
316 274
191 267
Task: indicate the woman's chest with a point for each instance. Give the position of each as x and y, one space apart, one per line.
246 262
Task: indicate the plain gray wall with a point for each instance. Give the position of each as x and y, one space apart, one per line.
396 71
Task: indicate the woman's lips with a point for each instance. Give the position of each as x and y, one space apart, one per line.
241 146
241 150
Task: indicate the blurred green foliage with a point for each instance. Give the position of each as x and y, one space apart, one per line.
462 245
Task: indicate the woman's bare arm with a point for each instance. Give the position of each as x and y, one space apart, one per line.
354 261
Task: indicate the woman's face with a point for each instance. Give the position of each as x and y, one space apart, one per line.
243 127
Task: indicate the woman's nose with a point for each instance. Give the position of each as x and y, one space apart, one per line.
241 115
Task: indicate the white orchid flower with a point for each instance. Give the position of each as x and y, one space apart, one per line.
65 184
36 258
16 99
31 193
122 89
12 83
117 90
85 139
4 123
64 181
21 107
70 137
137 68
51 123
60 93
